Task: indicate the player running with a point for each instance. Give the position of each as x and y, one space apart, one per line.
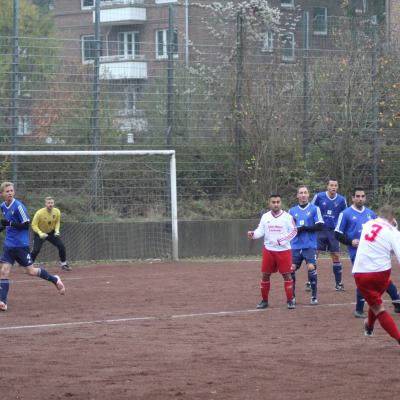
308 221
331 205
372 268
16 244
278 229
348 232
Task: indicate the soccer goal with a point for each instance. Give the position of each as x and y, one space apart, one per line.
115 204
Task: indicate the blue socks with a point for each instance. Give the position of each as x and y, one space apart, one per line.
360 301
337 271
312 277
4 286
392 291
46 276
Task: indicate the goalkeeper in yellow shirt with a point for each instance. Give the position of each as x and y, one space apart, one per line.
46 226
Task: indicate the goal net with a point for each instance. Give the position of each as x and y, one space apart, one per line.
115 205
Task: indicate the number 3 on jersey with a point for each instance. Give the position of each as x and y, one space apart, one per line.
371 236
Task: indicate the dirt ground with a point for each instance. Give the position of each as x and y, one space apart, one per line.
188 330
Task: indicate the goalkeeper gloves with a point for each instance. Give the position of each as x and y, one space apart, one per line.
56 233
43 235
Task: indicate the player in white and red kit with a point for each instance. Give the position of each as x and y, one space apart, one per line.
278 228
372 268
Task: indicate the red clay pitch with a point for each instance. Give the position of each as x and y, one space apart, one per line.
188 330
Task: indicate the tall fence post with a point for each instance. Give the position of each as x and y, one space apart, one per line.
170 77
305 132
238 96
375 110
15 88
96 104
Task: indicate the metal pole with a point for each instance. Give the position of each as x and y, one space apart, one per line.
238 97
15 89
375 110
170 76
96 103
187 33
305 82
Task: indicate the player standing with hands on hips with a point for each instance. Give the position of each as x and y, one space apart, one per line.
278 229
331 205
372 268
46 226
16 244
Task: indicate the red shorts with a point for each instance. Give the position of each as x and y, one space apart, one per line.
372 285
276 261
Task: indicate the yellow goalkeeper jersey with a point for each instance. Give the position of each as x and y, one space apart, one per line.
45 221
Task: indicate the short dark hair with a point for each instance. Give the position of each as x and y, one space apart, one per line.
300 187
357 189
386 211
274 195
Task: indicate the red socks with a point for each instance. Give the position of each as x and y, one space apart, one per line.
288 289
265 286
371 318
388 324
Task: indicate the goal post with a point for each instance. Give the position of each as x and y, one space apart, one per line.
92 170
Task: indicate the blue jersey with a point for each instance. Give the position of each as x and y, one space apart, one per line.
330 208
307 216
15 212
351 222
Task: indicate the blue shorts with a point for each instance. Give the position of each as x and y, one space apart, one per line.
21 255
326 241
308 255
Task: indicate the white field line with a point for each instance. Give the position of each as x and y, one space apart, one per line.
155 318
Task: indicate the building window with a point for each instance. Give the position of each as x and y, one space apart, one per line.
128 44
87 4
287 3
288 45
320 20
268 42
88 45
161 44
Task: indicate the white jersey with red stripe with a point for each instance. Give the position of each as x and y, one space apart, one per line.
378 239
277 230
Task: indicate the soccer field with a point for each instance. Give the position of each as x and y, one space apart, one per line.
189 330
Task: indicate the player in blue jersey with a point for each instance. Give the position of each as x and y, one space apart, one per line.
331 205
16 244
308 220
348 232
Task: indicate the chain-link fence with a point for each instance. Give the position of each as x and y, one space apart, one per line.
253 99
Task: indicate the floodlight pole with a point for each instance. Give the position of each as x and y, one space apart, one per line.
15 88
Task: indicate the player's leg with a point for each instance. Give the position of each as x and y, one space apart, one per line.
337 267
372 286
310 256
284 265
37 245
297 259
322 246
267 268
5 268
57 242
23 257
360 302
394 295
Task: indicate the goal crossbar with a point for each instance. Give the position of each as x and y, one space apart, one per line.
169 153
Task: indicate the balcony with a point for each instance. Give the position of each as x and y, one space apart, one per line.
122 12
122 67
